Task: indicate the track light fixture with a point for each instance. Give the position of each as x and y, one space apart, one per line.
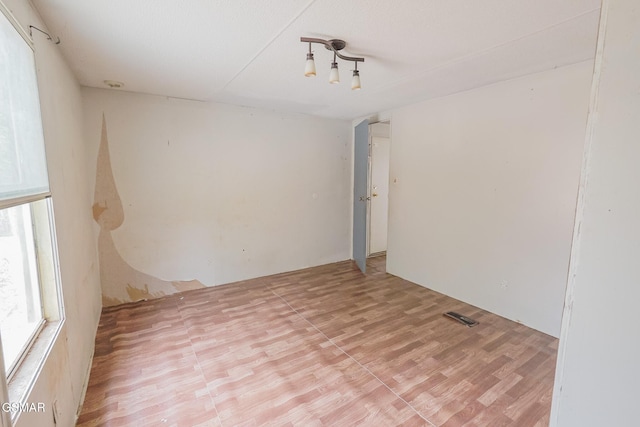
310 67
336 46
355 80
334 76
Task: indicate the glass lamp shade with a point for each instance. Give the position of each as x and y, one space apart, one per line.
355 80
334 76
310 66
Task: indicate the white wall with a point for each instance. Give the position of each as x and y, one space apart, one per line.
66 370
220 193
598 372
382 130
483 193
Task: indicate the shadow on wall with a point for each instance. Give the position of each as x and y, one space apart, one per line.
120 282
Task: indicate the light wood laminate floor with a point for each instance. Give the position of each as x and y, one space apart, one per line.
321 346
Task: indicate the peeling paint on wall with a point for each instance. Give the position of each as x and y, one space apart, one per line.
107 206
231 178
121 283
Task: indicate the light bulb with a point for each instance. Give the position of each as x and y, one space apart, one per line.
355 80
310 66
334 76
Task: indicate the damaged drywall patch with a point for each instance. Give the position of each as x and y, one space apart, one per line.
108 301
137 294
187 285
107 206
120 282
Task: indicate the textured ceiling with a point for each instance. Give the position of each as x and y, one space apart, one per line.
247 52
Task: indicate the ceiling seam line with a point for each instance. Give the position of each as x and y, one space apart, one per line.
484 51
269 43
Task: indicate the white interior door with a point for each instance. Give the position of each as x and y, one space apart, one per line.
379 193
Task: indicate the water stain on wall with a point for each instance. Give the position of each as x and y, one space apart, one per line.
120 282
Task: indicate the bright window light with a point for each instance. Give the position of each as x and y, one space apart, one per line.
20 302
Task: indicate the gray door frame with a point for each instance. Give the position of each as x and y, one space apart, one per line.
360 193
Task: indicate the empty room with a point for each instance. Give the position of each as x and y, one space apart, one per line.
313 212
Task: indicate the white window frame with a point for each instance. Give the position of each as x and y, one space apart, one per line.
18 386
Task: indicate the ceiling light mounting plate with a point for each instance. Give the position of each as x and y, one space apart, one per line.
336 44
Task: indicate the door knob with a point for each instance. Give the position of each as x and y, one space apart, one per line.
375 194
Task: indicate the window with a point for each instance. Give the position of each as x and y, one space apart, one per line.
29 302
21 248
20 304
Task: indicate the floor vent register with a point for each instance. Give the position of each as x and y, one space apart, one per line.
467 321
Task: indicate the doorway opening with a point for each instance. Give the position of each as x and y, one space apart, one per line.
378 188
371 194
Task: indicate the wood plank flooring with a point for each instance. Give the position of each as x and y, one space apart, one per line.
322 346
